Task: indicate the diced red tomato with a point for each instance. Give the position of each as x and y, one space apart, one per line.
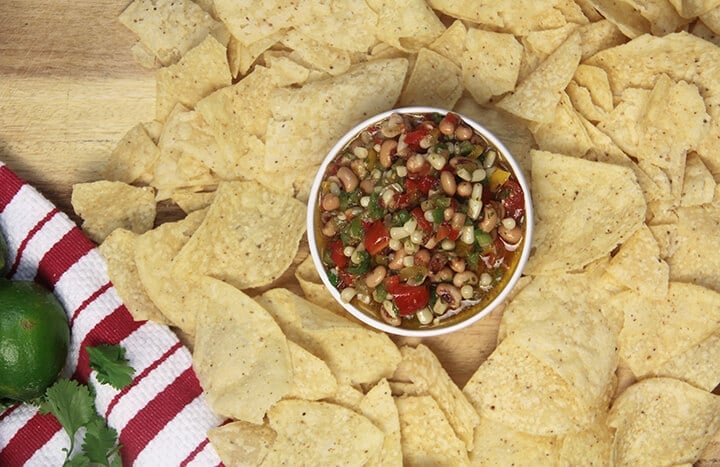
414 137
377 237
408 298
419 216
445 231
346 279
512 198
337 255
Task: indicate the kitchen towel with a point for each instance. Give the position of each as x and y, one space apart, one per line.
162 418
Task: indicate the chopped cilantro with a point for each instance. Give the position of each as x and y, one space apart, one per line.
111 365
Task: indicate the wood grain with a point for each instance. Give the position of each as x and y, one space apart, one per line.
69 90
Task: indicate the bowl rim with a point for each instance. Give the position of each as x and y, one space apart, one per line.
436 330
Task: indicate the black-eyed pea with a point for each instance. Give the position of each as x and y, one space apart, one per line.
457 264
465 278
447 181
330 202
449 294
348 178
386 151
511 236
375 277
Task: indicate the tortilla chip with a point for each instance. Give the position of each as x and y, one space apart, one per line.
498 444
638 266
189 200
512 383
168 28
426 436
241 356
565 134
314 290
319 433
599 35
347 396
379 407
242 444
663 420
246 224
105 206
154 253
420 366
407 25
311 377
582 102
692 8
118 249
698 184
699 365
202 70
580 215
536 97
317 55
451 42
657 330
591 447
133 157
434 81
692 240
329 337
490 63
328 108
624 15
349 25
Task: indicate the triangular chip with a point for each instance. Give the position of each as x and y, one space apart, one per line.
133 157
490 63
426 436
242 444
499 444
698 365
379 407
694 241
407 25
246 224
355 354
663 421
320 433
241 356
537 96
434 81
451 42
583 209
311 377
698 184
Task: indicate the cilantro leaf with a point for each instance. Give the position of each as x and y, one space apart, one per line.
78 460
111 365
72 405
100 442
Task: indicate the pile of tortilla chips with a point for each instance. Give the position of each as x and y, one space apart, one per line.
609 349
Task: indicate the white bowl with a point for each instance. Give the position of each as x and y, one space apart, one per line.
468 316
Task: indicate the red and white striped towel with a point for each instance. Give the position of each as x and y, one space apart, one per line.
162 418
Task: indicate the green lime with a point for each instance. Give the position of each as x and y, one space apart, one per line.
34 339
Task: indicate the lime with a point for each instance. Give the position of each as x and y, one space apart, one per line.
34 339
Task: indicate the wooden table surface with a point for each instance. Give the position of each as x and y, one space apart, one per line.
69 90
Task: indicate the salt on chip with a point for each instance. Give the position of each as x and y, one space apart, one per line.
565 134
202 70
693 238
512 383
420 366
118 249
584 209
349 25
499 444
328 336
306 122
663 421
657 330
536 97
698 365
168 28
311 377
248 238
320 433
407 25
105 206
490 63
698 183
133 157
241 356
318 55
451 42
426 436
434 81
379 407
242 444
639 267
154 253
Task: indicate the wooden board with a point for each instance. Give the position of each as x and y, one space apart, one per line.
69 90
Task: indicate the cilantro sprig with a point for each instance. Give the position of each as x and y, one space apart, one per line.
73 405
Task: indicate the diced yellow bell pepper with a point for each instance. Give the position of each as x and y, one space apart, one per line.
497 178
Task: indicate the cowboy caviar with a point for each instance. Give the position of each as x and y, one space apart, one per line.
419 217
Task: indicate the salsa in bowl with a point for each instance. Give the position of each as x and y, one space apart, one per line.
419 221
